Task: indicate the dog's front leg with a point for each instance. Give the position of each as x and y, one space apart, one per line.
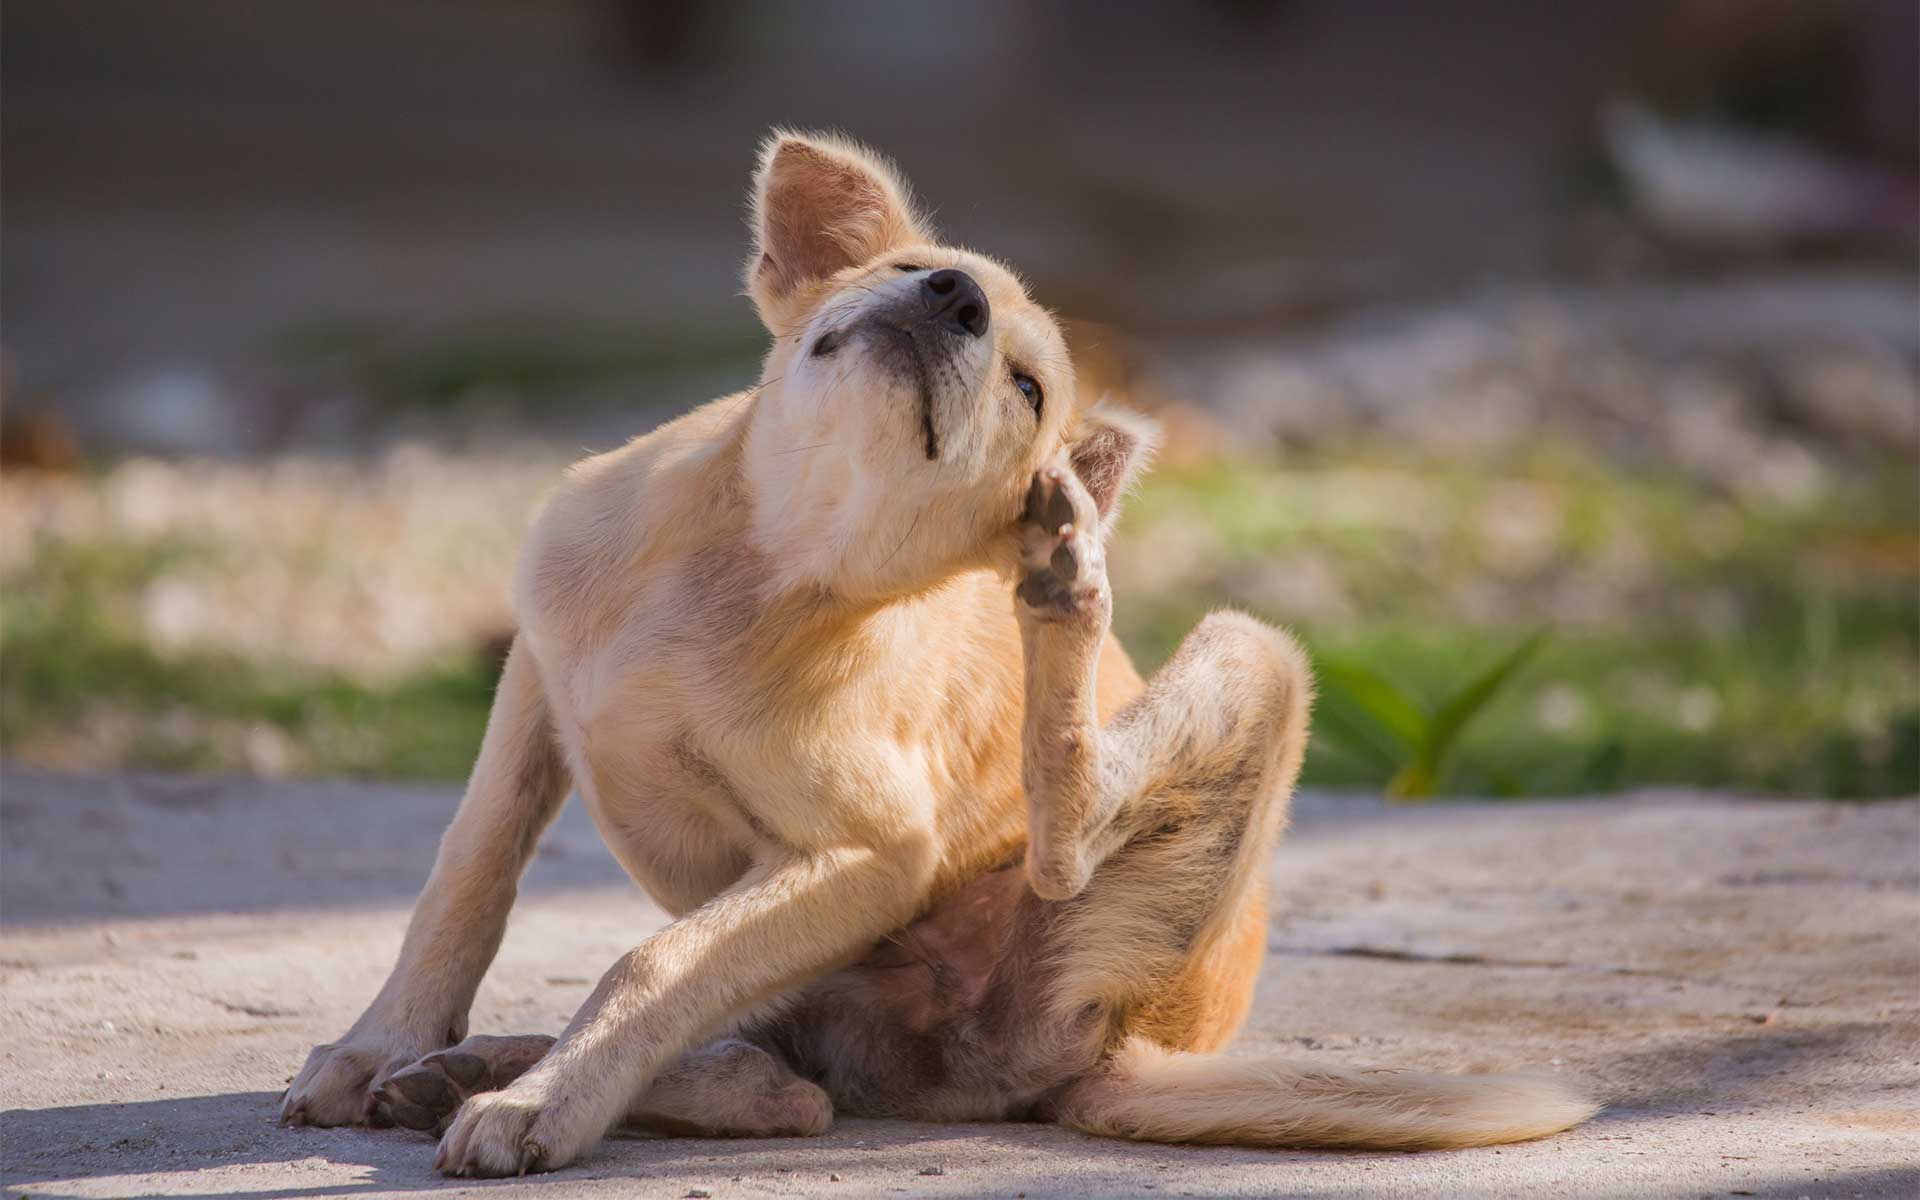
518 786
783 923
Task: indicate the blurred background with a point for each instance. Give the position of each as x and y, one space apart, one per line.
1550 368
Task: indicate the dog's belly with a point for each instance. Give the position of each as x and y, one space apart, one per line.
947 1019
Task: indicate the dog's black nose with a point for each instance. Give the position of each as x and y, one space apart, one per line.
956 302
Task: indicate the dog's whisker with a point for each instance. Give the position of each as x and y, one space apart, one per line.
915 524
834 387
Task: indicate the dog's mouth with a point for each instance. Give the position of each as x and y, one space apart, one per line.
899 351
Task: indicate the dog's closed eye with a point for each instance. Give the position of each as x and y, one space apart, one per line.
828 343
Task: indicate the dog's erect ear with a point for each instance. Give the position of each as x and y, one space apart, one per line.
1109 448
820 204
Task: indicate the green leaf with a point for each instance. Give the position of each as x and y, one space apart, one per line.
1379 698
1459 710
1411 782
1603 768
1505 783
1340 722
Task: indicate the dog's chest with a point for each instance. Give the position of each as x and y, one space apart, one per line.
689 787
702 745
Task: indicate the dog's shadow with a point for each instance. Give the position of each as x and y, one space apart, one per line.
225 1141
220 1144
156 1145
230 1146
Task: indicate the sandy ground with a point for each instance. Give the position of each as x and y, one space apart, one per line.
1741 979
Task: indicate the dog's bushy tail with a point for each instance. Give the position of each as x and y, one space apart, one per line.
1150 1094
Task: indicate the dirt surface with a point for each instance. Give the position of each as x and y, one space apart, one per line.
1741 979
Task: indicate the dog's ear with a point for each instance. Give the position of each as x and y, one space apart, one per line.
820 204
1109 447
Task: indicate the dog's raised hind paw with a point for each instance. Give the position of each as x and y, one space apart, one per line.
1063 571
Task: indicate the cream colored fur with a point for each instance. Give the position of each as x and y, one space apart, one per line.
1156 1095
773 646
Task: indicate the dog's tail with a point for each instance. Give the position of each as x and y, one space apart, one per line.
1150 1094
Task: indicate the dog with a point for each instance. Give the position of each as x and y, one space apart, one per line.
829 663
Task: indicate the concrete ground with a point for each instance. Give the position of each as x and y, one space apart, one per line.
1741 979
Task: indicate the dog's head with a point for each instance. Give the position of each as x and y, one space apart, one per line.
912 389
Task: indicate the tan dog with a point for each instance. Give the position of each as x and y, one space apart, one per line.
772 645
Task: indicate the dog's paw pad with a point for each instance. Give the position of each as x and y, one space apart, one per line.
425 1095
1050 500
420 1097
1062 572
470 1071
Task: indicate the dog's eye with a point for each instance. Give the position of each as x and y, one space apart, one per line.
828 343
908 267
1030 388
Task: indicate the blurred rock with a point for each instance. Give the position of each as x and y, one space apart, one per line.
1862 393
1760 385
1299 586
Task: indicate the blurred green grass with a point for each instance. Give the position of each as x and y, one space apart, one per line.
80 685
1694 637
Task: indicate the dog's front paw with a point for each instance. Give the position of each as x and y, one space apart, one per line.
425 1096
511 1132
1063 570
336 1085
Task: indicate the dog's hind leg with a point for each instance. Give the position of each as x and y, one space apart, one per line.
731 1088
1155 833
1207 753
728 1088
1150 918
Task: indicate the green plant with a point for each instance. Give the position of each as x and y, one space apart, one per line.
1374 718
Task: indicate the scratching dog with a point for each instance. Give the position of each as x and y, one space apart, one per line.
829 662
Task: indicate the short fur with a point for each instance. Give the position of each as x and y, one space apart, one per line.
934 849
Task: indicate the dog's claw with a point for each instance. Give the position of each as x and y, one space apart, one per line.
467 1070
